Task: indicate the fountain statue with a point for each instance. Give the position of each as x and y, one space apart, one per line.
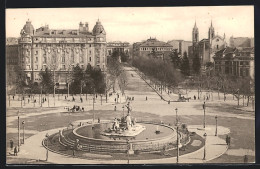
125 127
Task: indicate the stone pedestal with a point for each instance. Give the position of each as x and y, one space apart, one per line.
130 151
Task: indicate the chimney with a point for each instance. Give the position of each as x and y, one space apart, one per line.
80 26
86 27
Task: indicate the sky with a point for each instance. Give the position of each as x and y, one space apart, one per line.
135 24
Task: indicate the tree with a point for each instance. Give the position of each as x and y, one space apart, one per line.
46 81
176 60
196 64
98 80
185 66
114 69
77 79
20 79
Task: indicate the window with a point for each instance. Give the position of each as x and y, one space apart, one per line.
241 63
63 59
44 59
217 46
90 59
90 52
63 67
36 67
36 59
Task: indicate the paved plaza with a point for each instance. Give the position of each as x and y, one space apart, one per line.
153 108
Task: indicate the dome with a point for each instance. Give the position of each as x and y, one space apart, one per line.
28 28
98 29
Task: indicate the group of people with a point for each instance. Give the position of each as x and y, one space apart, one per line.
228 140
12 147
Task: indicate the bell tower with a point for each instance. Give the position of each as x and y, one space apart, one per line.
195 34
211 32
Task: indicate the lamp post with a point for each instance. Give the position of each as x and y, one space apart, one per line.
177 144
47 137
123 111
23 130
204 121
204 155
176 116
216 133
41 96
128 147
18 131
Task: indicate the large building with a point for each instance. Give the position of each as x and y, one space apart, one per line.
61 50
117 46
241 42
181 46
206 48
151 47
12 61
235 61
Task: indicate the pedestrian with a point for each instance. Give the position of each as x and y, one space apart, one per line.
83 109
207 97
146 98
28 100
65 98
73 99
245 159
115 100
194 97
23 97
81 100
227 139
15 151
45 99
11 144
115 108
98 120
13 97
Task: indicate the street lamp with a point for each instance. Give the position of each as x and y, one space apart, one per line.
123 111
23 130
204 108
128 147
177 144
216 133
204 155
18 131
47 137
176 116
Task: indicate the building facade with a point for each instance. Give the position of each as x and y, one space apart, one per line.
235 62
181 46
117 46
12 61
241 42
152 48
61 50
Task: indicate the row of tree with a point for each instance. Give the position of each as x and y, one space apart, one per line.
115 71
158 70
91 80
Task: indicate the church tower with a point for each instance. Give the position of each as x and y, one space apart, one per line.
195 34
211 33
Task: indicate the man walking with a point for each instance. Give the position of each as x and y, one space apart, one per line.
15 151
